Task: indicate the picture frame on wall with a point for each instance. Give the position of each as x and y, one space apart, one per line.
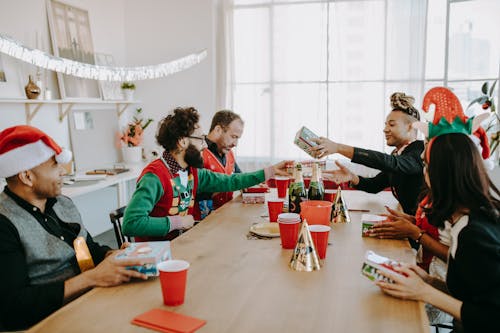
110 90
72 39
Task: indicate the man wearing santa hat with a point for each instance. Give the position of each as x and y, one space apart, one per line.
38 227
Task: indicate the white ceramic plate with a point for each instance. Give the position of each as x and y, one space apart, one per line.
266 229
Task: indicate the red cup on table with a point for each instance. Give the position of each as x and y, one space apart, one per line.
330 195
289 224
173 276
282 185
319 235
275 208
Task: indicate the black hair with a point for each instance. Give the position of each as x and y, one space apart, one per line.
459 180
181 123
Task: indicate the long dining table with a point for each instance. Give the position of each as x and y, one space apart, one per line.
239 283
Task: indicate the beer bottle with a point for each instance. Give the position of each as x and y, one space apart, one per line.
316 190
297 191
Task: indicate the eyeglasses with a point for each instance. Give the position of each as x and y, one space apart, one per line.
203 137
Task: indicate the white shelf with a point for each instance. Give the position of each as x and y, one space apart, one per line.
32 106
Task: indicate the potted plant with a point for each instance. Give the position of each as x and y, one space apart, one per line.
128 90
132 137
487 101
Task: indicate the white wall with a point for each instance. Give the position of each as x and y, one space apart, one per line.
159 31
136 33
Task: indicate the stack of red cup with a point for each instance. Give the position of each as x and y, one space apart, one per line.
275 207
289 229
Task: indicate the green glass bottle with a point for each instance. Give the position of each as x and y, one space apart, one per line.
316 190
297 191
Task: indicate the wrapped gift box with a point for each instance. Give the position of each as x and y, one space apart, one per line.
151 252
374 264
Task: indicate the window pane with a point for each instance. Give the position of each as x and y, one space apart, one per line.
474 39
292 1
250 2
251 102
251 45
436 39
300 42
297 105
357 40
357 114
405 39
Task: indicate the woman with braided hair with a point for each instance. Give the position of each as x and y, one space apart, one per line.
401 170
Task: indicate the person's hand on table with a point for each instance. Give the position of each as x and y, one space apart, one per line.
398 228
178 222
111 271
324 147
411 286
341 175
394 215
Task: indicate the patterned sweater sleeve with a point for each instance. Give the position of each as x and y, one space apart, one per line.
136 221
209 181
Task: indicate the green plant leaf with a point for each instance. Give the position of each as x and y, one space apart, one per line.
492 88
484 88
480 100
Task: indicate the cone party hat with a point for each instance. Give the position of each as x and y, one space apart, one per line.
304 257
340 213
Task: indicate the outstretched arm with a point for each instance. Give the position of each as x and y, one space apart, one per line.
209 181
326 147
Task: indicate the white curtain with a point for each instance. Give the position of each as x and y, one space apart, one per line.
328 65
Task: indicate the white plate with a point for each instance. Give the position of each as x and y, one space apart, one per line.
266 229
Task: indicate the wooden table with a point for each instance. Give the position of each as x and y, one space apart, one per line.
242 285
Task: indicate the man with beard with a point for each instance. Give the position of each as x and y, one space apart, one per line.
225 131
166 189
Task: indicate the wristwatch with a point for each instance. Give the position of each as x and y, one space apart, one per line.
419 238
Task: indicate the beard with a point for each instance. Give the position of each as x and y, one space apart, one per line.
193 157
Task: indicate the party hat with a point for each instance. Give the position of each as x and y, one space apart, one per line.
449 118
340 213
304 257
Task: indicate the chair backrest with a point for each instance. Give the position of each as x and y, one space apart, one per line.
116 219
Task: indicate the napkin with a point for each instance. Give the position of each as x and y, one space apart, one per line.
168 322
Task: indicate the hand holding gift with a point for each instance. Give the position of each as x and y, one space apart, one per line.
323 147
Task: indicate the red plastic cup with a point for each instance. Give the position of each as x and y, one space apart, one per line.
330 195
289 231
275 208
282 185
173 276
316 211
319 235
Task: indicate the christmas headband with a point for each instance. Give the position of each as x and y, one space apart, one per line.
448 117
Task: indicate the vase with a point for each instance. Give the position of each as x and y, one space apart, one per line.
31 89
128 94
132 154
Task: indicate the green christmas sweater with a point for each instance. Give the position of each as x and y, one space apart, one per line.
159 194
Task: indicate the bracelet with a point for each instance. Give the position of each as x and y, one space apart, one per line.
419 238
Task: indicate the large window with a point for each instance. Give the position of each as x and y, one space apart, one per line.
332 65
473 41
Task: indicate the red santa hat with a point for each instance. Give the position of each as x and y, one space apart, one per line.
25 147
